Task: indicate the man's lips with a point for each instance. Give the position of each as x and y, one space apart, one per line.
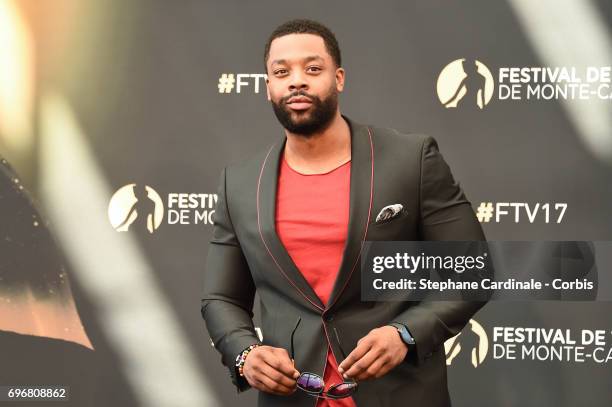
299 103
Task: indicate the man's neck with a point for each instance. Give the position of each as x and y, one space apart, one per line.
321 152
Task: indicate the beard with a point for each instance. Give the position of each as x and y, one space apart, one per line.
311 121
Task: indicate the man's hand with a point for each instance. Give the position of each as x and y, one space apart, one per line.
271 370
376 354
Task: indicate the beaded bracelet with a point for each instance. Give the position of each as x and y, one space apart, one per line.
241 358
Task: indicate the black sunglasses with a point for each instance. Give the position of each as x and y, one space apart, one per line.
313 383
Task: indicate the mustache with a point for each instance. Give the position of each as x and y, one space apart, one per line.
299 93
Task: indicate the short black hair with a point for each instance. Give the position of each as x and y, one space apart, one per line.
304 26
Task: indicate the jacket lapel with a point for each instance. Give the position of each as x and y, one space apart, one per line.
361 189
266 218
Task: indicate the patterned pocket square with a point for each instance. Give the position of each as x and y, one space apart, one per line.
389 212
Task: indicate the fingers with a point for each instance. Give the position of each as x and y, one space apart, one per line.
377 369
278 359
269 369
363 346
376 353
373 355
264 383
277 376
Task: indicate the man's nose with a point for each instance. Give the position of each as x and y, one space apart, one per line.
298 81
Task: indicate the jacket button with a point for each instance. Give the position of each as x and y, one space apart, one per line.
329 318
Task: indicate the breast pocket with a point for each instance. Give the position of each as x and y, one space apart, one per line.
394 228
397 218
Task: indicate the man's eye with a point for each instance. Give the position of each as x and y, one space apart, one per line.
313 68
280 72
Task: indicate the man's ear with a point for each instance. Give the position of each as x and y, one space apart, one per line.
340 75
268 89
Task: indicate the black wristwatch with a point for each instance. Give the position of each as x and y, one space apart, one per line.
405 335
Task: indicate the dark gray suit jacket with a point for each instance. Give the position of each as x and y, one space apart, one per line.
246 255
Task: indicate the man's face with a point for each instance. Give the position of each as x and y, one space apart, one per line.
303 83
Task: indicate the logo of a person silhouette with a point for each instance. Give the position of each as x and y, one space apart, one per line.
466 84
469 346
135 207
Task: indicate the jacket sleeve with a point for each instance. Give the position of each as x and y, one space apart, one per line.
229 291
445 214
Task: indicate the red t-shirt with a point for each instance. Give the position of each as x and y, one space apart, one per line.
312 214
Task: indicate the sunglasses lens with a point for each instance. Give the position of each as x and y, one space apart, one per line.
310 382
342 390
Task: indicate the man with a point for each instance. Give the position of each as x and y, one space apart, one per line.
290 223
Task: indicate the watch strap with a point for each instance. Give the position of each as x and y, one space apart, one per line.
404 333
